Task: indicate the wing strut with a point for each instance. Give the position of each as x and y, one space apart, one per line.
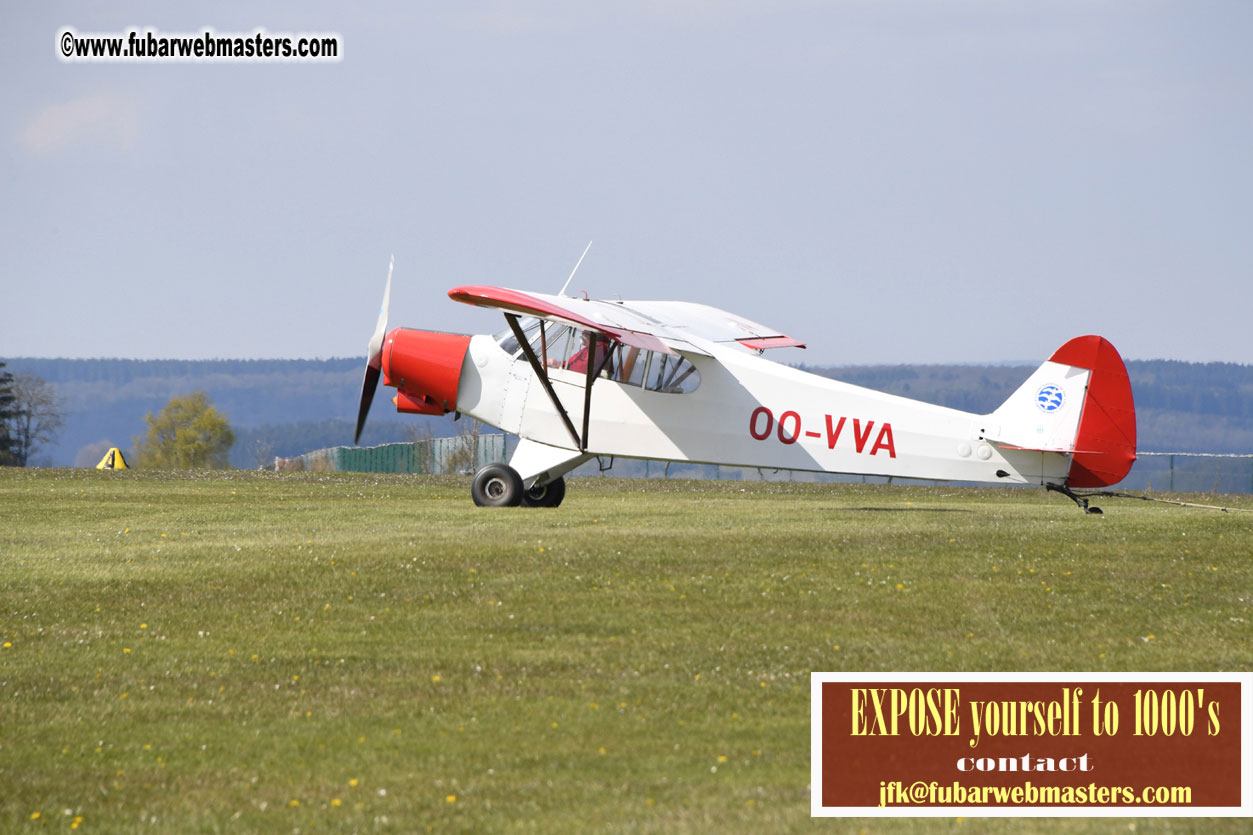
595 365
542 373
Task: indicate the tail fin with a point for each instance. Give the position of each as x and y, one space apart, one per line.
1078 403
1106 446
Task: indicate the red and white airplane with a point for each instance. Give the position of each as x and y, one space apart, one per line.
575 379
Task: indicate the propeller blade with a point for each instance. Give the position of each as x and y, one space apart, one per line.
375 350
368 385
374 356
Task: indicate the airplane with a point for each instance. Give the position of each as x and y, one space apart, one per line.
577 379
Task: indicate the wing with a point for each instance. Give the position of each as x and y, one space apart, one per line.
715 325
574 312
662 326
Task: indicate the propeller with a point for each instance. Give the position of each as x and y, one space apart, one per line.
374 357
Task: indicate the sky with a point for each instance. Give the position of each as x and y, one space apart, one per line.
890 181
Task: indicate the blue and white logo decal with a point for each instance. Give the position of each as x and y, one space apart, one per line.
1050 398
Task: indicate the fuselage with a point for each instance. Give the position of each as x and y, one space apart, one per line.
745 411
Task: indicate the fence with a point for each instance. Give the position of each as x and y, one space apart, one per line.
461 454
1191 472
1184 472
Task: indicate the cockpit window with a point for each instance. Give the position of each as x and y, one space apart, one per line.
674 374
652 371
567 348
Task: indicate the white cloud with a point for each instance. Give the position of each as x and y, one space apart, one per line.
106 119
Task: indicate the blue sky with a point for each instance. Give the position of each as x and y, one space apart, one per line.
888 181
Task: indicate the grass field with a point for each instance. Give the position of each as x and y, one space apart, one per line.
332 652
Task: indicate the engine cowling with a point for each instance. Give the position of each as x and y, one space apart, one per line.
425 369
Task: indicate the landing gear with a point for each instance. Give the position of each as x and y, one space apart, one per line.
545 495
497 485
1074 497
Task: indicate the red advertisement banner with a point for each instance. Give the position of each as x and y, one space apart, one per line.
1031 744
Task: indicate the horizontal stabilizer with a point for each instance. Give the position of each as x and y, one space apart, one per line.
1041 449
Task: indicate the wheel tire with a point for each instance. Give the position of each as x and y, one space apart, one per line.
497 485
545 495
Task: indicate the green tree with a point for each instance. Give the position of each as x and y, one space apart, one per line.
188 434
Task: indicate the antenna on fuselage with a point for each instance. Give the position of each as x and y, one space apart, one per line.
575 270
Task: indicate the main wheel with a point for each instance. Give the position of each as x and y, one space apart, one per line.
545 495
497 485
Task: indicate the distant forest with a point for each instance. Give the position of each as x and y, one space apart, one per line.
1180 406
288 407
276 407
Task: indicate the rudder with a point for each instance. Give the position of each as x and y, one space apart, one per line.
1105 447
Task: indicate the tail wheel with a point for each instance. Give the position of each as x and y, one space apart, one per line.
497 485
545 495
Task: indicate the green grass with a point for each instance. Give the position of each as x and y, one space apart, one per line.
245 652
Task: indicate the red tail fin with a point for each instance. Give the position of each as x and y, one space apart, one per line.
1107 429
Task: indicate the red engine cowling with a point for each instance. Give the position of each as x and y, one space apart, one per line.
425 369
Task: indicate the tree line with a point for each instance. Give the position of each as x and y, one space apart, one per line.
283 408
1219 389
123 371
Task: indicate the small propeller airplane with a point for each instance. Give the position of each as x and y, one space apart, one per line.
576 379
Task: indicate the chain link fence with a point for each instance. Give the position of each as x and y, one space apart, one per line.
1191 472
